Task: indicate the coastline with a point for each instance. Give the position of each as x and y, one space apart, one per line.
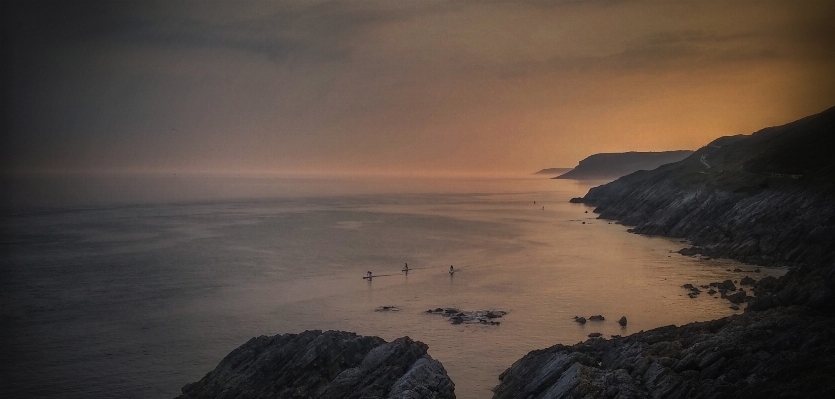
732 199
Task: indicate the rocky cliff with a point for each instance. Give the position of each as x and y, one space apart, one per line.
614 165
330 364
783 352
767 198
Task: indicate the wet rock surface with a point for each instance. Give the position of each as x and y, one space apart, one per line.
332 364
784 352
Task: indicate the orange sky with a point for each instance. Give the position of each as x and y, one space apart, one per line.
399 87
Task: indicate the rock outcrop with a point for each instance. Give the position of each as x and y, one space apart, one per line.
332 364
784 352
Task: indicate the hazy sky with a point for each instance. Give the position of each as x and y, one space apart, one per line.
398 86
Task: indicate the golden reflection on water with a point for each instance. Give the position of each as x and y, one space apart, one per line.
552 268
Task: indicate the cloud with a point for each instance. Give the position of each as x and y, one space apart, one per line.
406 84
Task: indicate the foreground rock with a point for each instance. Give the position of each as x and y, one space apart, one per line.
330 364
785 352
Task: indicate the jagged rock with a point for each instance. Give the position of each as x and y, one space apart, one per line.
726 285
581 320
595 335
775 353
747 281
765 285
688 286
622 321
597 318
711 292
738 297
332 364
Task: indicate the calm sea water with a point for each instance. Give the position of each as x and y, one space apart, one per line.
134 287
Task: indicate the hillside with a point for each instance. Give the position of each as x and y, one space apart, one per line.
765 198
614 165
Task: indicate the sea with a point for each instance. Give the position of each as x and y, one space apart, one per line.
132 286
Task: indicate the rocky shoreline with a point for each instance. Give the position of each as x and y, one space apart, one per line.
765 199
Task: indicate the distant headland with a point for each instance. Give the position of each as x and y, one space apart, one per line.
553 171
614 165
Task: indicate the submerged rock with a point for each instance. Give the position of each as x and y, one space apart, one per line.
331 364
477 317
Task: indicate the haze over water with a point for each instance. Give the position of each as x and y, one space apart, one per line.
133 288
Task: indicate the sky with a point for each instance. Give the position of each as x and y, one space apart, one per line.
397 87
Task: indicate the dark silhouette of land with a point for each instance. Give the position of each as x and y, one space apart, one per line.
553 171
614 165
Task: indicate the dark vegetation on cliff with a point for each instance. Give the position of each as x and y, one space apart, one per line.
614 165
767 199
331 364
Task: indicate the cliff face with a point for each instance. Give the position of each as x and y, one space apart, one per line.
614 165
332 364
778 353
729 200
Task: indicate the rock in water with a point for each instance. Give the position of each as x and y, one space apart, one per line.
331 364
622 321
